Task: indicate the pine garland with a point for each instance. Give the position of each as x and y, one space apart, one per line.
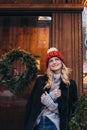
79 118
19 82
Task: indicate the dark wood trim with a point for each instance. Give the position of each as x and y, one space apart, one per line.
38 7
67 37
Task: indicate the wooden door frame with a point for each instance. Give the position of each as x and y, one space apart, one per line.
7 8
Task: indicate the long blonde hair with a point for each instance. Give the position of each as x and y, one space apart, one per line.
65 76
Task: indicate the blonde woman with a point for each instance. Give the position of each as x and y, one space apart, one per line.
51 101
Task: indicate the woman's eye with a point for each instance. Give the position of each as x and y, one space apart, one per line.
57 59
50 60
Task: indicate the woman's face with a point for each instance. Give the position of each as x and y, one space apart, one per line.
55 64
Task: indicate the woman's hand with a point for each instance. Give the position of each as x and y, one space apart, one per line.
49 103
57 93
44 95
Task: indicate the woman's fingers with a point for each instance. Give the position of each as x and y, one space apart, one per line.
43 95
57 92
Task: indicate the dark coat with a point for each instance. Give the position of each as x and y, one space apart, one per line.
65 102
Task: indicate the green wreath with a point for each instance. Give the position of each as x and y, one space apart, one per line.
19 82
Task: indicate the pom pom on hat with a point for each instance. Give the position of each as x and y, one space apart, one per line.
53 52
52 49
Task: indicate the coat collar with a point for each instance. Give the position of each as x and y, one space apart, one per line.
63 85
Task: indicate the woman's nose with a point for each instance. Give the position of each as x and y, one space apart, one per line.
54 61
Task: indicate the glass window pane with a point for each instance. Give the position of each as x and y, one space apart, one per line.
29 33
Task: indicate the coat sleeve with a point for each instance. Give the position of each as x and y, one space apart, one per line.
29 102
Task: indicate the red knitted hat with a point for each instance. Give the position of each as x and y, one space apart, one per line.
53 52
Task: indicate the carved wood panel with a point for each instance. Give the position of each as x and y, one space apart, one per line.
68 39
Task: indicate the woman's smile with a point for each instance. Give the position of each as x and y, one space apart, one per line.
55 64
